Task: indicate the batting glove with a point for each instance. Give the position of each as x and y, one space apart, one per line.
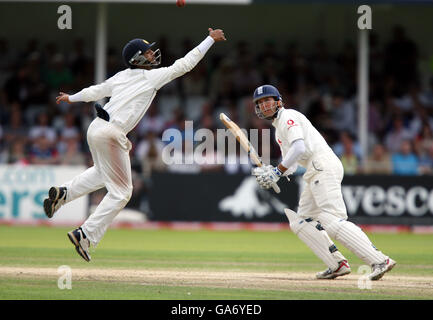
266 176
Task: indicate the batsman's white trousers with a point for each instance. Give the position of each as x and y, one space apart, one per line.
322 201
322 191
110 148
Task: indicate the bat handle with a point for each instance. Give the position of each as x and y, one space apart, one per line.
276 188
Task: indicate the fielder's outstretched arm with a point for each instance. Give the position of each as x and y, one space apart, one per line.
162 76
92 93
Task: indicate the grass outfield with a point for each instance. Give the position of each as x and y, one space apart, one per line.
222 265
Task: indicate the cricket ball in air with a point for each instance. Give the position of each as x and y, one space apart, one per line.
180 3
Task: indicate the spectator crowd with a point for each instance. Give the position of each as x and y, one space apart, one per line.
320 84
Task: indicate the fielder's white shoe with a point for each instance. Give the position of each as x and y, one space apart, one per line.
343 269
380 269
56 198
81 243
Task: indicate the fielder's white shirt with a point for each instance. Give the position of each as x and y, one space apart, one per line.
132 90
291 125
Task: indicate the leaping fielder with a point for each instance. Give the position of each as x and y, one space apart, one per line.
322 212
132 91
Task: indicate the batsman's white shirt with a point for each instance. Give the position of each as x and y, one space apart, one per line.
132 90
291 125
324 171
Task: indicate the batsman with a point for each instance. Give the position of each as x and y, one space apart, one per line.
132 91
322 212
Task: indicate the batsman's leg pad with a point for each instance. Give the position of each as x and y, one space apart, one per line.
352 237
315 237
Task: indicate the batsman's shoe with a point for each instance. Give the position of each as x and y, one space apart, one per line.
56 198
343 269
380 269
81 243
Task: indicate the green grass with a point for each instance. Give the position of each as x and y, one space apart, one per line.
245 251
88 290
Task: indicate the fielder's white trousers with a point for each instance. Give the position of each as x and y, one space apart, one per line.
110 148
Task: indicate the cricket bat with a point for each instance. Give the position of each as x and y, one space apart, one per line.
245 144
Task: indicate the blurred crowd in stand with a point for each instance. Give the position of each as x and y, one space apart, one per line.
319 83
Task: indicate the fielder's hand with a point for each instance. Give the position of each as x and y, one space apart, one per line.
217 35
63 97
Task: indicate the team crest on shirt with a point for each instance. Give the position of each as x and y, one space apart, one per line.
279 141
291 123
